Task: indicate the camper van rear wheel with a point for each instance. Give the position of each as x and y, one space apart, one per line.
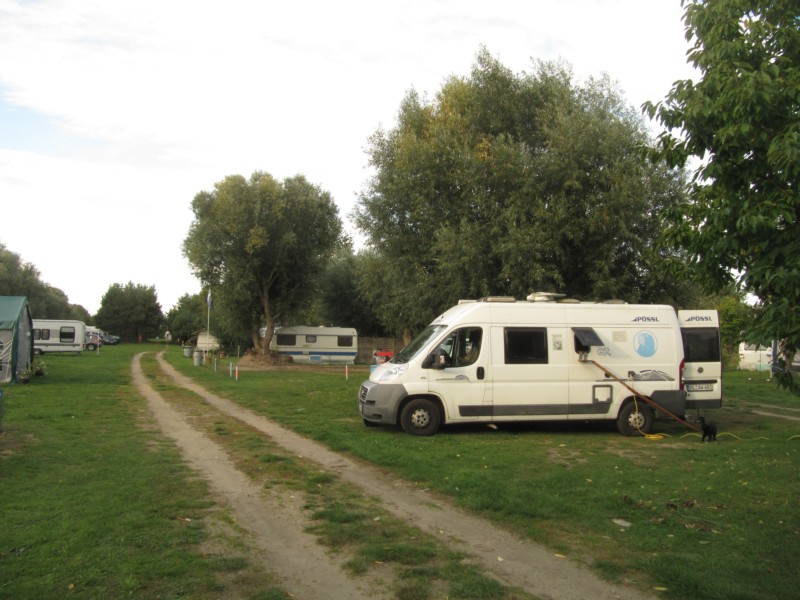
635 419
420 417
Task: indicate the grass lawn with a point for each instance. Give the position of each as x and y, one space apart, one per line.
689 520
96 502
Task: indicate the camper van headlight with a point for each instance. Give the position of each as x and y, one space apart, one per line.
393 373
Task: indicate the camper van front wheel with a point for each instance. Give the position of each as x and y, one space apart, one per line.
635 419
420 417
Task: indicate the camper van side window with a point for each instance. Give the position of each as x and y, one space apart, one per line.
67 335
524 346
344 341
585 338
701 344
286 339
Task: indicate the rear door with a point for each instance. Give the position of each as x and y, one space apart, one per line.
702 355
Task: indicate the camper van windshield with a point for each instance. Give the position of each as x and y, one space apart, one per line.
418 343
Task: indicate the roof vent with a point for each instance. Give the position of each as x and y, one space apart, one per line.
544 297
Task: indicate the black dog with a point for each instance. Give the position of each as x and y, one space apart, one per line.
709 430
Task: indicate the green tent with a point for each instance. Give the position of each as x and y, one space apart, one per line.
16 337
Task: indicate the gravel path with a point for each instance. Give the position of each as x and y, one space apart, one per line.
512 560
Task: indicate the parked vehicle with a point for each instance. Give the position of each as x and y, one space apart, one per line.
320 345
92 341
754 357
503 360
54 335
109 339
702 354
104 337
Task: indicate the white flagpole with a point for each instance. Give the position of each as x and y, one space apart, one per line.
208 317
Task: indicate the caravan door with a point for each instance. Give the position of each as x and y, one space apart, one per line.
702 355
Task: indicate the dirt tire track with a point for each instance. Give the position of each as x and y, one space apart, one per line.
305 568
514 561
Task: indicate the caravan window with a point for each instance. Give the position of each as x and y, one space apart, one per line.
344 341
311 339
287 339
41 334
67 335
525 346
585 337
701 344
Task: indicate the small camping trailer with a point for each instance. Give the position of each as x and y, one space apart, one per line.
58 335
16 340
317 345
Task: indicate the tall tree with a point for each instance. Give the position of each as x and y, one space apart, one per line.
187 317
509 183
342 302
131 311
259 243
742 121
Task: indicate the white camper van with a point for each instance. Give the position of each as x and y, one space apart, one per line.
319 345
702 353
503 360
58 335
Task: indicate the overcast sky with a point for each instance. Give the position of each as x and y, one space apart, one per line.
113 114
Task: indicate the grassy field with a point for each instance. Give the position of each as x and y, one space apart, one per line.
95 503
94 500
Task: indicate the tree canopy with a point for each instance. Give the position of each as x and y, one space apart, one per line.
131 311
258 244
509 183
187 317
741 122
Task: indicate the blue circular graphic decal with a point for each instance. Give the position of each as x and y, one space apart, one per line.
645 344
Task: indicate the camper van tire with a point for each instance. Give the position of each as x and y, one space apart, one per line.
635 418
420 417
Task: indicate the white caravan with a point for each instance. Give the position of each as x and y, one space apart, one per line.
753 357
503 360
318 345
58 335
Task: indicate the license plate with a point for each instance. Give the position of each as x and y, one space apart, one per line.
700 387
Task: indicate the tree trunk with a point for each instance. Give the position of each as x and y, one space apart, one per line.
263 347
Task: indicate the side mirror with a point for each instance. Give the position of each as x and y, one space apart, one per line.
435 360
